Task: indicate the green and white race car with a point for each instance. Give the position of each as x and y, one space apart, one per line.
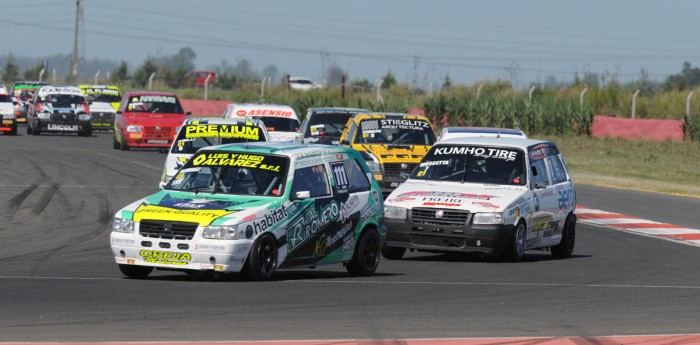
254 208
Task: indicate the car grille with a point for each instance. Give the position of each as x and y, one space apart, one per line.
103 117
64 117
396 169
450 217
155 133
438 241
167 230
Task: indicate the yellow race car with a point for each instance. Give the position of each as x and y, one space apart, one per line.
104 102
391 143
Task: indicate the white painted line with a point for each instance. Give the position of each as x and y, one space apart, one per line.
131 161
590 211
664 231
76 186
612 221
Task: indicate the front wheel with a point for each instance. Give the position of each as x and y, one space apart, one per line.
86 133
262 260
568 239
115 143
516 246
133 271
123 146
366 258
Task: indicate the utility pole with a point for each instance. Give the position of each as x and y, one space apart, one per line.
74 57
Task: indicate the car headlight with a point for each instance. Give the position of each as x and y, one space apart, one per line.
395 212
123 225
488 218
43 116
372 163
133 128
177 129
221 232
84 117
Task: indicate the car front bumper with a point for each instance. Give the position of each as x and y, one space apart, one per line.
466 238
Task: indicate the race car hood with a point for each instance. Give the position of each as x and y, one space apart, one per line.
148 118
291 137
101 107
7 108
474 197
202 208
389 154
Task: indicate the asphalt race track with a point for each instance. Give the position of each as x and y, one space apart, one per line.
59 282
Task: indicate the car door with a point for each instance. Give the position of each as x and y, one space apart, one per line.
545 204
563 189
312 216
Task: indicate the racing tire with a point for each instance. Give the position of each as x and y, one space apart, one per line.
393 253
29 129
262 260
133 271
515 250
366 258
115 143
35 131
568 240
124 146
85 133
13 131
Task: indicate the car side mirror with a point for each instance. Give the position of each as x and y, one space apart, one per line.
540 185
119 112
344 142
302 195
188 113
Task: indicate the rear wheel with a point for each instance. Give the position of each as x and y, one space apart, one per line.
262 260
393 253
29 129
34 130
516 247
568 239
133 271
366 258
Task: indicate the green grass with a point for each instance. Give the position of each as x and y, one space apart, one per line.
666 167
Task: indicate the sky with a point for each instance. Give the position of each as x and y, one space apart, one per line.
420 42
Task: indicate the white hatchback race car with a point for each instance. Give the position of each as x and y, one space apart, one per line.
487 195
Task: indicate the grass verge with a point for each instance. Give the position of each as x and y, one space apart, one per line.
664 167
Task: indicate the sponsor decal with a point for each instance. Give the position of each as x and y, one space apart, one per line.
267 221
123 242
165 257
404 124
264 112
55 127
448 204
349 207
311 222
203 217
484 204
401 199
348 243
234 159
209 248
161 99
368 211
340 175
543 223
446 195
507 155
197 204
157 141
99 91
432 163
223 131
51 90
565 198
324 243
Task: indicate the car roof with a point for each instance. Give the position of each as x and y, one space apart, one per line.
281 148
149 93
221 120
494 141
448 132
335 110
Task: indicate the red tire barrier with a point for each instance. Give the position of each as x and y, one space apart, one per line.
200 107
657 130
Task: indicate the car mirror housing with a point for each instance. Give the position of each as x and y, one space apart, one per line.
302 195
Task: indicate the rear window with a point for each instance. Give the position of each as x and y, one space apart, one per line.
154 104
279 123
194 137
327 125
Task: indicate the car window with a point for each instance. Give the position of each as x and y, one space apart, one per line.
539 172
558 172
313 179
349 176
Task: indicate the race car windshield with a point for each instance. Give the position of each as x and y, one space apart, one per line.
327 125
280 124
475 164
194 137
62 101
395 132
105 98
155 104
232 173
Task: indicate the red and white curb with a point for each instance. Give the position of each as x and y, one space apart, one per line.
623 222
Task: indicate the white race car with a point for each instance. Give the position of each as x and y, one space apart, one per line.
488 195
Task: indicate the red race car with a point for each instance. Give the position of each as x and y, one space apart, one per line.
148 120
